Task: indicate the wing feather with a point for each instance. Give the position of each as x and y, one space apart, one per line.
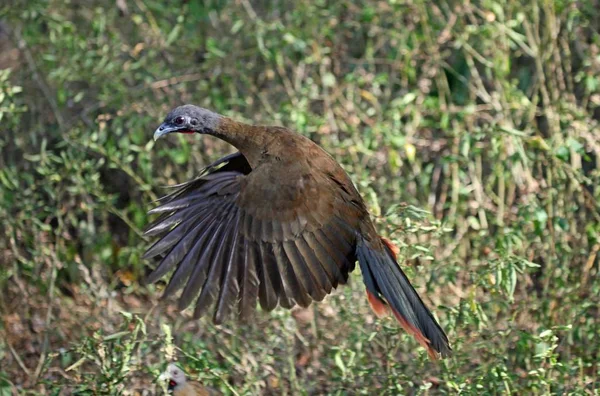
212 284
294 289
203 265
249 281
191 259
314 280
229 286
230 251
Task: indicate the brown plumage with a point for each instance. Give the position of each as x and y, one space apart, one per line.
279 222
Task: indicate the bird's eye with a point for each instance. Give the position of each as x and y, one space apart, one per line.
179 120
194 121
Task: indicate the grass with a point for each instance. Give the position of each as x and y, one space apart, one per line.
471 129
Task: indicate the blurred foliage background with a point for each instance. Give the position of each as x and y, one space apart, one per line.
471 129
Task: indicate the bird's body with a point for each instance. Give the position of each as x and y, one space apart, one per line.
191 389
280 221
179 385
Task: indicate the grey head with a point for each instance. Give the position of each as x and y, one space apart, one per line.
176 376
188 119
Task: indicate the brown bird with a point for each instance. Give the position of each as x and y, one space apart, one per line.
279 221
180 386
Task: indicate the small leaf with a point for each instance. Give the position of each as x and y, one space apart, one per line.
411 152
546 333
328 80
562 153
339 362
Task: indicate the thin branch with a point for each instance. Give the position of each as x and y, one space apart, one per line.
22 44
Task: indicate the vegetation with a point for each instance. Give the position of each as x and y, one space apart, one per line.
471 128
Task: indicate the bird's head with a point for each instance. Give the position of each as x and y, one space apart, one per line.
176 376
188 119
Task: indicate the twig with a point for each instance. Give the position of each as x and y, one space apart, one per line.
126 220
40 365
22 44
151 20
249 10
18 359
589 264
176 80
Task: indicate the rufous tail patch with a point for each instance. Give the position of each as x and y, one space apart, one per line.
391 246
410 329
379 307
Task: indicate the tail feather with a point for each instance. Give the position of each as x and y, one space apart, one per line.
379 306
393 248
381 309
387 284
410 329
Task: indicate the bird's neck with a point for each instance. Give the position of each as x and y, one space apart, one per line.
250 140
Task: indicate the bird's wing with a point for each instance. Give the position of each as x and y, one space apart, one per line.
233 236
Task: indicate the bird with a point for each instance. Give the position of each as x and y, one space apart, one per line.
180 386
278 222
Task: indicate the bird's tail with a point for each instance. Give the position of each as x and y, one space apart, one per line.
388 287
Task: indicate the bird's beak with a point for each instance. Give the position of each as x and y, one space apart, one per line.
172 385
164 129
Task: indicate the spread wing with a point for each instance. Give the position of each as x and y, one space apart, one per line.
233 236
